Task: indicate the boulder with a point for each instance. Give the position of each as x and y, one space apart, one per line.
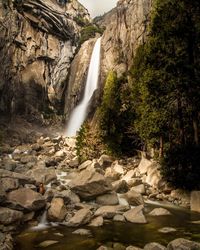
195 201
139 189
153 175
144 165
74 162
22 179
154 246
28 158
104 248
107 199
57 210
159 212
89 185
111 175
42 175
85 164
110 211
47 243
120 186
119 217
82 231
135 215
2 196
129 175
118 168
105 161
166 230
118 246
134 182
9 216
133 248
97 222
8 184
183 244
134 198
25 199
68 196
81 217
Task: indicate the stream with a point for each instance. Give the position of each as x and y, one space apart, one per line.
126 233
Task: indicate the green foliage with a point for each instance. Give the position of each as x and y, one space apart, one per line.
165 72
88 143
81 21
181 166
116 116
89 32
166 90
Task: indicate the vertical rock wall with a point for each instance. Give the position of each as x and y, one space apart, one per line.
38 40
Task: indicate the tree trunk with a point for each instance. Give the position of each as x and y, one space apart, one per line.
196 130
181 123
161 149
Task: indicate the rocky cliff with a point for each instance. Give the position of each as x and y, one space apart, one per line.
126 29
38 40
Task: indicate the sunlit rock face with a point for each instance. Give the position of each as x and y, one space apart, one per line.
38 40
125 29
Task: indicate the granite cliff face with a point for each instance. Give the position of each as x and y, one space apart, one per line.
126 29
38 40
41 69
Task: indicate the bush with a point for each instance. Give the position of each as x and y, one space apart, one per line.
88 143
89 32
181 166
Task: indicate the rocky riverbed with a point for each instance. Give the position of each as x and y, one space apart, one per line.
46 178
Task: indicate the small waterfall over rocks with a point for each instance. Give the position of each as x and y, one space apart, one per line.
79 114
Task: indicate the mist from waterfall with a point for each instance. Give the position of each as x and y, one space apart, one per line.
79 114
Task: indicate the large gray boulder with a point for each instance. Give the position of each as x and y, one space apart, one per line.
22 179
68 196
81 217
42 175
183 244
25 199
133 248
134 198
135 215
105 161
108 199
9 216
144 165
154 246
159 212
89 185
110 211
8 184
57 210
96 222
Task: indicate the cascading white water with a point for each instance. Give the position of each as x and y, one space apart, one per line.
79 113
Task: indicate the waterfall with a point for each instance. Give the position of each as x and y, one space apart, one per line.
80 112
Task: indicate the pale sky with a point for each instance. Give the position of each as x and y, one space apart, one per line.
98 7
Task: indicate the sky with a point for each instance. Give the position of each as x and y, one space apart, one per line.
98 7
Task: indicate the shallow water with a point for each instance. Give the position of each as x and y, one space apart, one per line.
126 233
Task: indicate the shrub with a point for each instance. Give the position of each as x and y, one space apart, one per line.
181 166
88 143
89 32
